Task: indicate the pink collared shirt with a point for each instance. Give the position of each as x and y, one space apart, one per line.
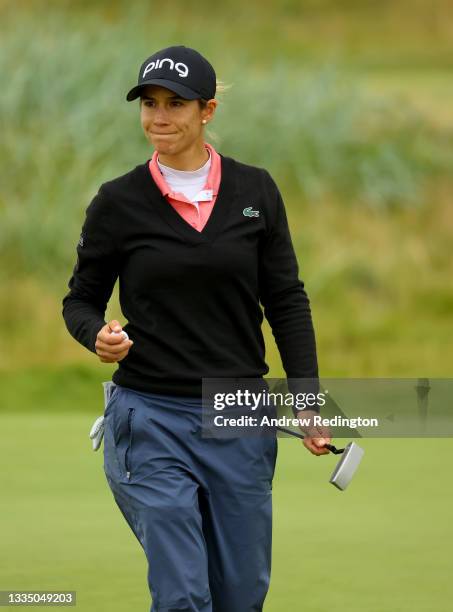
195 216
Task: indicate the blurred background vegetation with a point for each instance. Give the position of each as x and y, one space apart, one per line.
349 105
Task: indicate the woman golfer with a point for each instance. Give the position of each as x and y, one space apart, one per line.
198 241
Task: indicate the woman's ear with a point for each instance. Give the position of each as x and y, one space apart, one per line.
209 110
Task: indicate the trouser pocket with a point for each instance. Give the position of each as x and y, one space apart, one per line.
129 448
119 439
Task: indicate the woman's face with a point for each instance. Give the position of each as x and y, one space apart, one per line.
172 124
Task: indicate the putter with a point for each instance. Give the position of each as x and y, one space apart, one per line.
346 467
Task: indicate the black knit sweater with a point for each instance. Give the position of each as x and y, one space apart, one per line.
192 299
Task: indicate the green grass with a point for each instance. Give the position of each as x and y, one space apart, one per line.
384 544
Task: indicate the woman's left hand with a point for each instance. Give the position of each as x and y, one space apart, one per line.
316 436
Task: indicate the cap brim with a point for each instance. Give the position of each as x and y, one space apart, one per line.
181 90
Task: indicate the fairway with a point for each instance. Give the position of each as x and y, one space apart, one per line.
382 545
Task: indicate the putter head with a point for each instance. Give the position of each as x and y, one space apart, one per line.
347 466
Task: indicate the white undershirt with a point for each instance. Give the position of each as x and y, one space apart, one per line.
188 182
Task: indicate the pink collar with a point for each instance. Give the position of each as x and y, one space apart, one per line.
212 182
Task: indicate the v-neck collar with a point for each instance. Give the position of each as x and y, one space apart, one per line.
219 213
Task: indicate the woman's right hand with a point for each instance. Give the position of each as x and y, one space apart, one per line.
112 347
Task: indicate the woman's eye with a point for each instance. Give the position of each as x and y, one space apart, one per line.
173 103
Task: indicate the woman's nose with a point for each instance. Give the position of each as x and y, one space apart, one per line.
160 115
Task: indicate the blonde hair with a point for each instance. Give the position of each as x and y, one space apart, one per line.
222 87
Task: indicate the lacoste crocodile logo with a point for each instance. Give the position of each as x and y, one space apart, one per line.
249 212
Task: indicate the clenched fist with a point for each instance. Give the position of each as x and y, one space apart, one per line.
111 343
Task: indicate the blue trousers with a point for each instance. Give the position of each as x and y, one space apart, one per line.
200 507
